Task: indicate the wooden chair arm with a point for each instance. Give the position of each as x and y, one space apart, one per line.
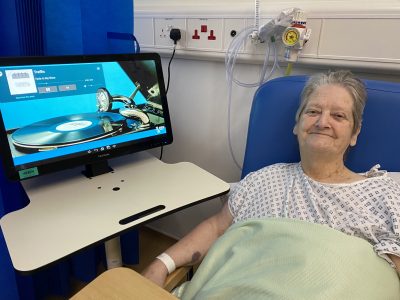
122 283
177 277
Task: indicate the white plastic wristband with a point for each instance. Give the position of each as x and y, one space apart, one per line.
167 261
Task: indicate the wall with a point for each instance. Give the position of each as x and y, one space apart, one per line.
198 94
332 43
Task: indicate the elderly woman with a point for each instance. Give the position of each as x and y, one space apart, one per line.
319 189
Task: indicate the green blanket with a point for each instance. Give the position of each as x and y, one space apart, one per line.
291 259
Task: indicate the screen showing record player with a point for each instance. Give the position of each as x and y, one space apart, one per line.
62 111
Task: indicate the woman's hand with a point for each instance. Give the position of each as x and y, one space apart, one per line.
191 248
156 272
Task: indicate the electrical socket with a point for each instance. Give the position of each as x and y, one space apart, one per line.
204 34
162 28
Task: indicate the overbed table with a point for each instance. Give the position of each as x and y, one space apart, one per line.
69 212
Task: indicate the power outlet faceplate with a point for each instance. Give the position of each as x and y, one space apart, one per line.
204 34
162 29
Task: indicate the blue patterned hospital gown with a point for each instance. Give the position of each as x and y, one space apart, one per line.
369 208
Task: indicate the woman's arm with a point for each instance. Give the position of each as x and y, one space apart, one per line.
193 247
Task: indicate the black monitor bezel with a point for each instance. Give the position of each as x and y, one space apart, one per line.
86 159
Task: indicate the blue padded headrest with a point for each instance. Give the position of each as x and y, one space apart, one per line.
270 138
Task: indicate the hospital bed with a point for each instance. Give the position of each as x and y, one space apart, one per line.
270 140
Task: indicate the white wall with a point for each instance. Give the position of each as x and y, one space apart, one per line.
267 6
198 101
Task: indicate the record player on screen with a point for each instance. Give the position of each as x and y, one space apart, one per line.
74 129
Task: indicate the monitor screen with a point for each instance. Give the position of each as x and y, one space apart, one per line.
59 112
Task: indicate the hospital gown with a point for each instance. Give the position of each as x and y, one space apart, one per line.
369 208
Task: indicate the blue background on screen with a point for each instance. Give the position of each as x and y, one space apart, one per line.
20 110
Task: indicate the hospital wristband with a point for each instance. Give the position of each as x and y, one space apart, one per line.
167 261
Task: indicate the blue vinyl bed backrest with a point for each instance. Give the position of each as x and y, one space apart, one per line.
270 138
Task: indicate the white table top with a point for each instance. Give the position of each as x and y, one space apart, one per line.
68 212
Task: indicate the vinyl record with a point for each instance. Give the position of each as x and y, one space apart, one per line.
67 130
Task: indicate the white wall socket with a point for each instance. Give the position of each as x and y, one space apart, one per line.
162 28
205 34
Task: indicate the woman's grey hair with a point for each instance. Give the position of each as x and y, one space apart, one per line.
345 79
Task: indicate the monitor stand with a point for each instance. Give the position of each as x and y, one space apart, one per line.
69 212
97 168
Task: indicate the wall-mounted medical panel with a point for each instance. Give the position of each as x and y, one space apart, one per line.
210 37
337 39
360 39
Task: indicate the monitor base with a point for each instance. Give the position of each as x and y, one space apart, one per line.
95 169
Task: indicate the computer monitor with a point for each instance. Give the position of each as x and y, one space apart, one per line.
60 112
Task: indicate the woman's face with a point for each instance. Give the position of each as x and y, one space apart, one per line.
326 123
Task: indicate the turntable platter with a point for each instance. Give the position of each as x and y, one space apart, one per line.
67 130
